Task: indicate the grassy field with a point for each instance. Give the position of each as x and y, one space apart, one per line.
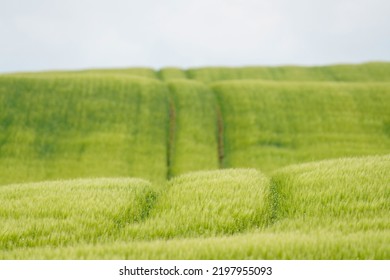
59 213
76 127
269 125
334 209
369 72
209 163
347 195
208 203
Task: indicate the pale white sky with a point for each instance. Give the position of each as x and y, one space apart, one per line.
78 34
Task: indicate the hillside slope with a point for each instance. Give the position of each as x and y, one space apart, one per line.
233 163
269 125
82 126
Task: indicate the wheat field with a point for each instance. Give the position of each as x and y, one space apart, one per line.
206 163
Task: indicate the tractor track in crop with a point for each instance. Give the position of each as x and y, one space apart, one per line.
171 136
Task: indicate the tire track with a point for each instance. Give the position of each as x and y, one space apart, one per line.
171 135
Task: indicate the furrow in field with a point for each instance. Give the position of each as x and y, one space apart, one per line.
207 203
221 149
171 137
220 130
194 135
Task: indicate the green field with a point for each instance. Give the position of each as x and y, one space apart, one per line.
76 127
208 163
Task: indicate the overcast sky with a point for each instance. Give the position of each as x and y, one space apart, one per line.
78 34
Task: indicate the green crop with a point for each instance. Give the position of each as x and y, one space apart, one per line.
60 213
208 203
269 125
233 163
335 209
194 128
369 72
70 127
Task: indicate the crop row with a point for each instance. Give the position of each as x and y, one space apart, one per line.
237 210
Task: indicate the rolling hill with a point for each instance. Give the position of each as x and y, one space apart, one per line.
209 163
